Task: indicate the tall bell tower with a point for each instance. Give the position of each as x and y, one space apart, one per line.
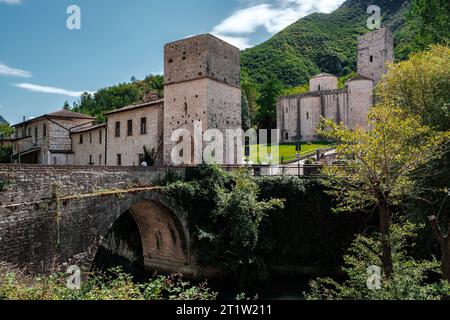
201 83
375 49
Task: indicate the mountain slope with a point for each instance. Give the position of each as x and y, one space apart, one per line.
319 42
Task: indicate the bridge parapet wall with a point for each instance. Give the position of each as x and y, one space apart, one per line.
21 184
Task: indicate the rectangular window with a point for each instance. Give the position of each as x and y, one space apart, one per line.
29 132
90 159
90 137
143 125
119 159
44 130
100 160
130 127
81 139
117 129
35 134
371 58
100 137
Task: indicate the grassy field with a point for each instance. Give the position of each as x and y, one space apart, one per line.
287 152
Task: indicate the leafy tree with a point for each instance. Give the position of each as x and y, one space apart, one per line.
251 94
5 154
267 101
409 281
245 110
121 95
150 156
420 86
6 130
227 215
296 90
66 106
430 21
381 164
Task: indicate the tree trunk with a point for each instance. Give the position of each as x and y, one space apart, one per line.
444 241
385 239
446 261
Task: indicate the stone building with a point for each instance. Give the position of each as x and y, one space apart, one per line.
298 115
46 139
202 83
89 145
132 128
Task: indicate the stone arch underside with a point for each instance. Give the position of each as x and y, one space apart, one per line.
163 232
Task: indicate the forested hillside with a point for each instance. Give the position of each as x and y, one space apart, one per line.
321 42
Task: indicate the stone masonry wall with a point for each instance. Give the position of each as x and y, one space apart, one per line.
33 183
130 147
40 229
92 150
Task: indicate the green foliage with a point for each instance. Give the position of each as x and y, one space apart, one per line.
421 86
319 42
121 95
15 285
246 114
6 130
226 214
409 281
150 156
5 154
380 163
232 229
306 225
267 101
430 20
296 90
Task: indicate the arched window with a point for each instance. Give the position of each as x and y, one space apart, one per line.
286 136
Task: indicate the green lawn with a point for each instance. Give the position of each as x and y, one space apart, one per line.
287 152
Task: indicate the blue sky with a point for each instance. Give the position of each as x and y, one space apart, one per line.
43 63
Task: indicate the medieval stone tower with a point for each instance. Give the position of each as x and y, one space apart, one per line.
202 83
375 49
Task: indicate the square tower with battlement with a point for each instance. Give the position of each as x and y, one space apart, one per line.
201 83
375 49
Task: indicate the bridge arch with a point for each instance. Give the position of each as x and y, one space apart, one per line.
162 228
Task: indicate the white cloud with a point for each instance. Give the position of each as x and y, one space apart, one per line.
240 42
12 72
52 90
11 2
272 16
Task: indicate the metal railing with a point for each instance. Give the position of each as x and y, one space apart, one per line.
298 170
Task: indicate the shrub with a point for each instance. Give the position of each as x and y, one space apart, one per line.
410 279
16 285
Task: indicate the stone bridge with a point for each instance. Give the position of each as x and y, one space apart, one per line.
50 216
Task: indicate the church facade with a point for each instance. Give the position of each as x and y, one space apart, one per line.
299 115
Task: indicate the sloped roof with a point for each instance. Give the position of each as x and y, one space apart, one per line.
135 106
64 114
87 129
324 74
68 114
359 77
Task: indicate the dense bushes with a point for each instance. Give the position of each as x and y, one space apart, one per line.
234 224
306 232
225 217
16 285
411 279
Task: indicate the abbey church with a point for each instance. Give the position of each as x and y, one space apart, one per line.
298 115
